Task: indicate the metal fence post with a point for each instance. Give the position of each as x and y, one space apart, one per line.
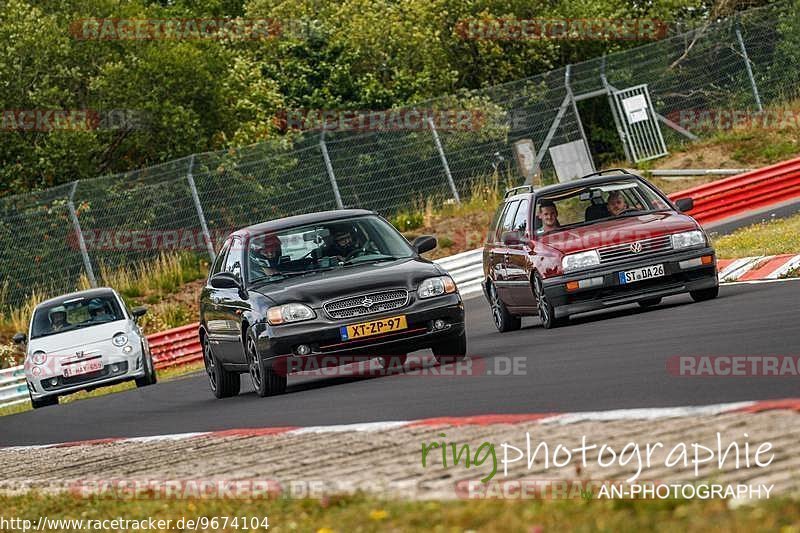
571 97
747 66
87 264
444 161
329 170
199 207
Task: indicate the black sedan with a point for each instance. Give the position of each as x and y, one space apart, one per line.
329 287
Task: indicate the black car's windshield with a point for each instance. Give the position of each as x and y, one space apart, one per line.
594 203
75 313
273 257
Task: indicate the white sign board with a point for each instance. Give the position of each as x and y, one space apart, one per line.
635 108
525 153
571 160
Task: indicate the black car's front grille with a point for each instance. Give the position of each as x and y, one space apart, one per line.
631 250
367 304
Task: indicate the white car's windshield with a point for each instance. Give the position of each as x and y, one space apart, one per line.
75 313
324 246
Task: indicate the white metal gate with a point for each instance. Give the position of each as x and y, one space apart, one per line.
640 130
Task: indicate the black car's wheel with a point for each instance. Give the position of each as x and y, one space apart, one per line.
44 402
503 320
451 351
650 302
705 294
224 384
547 313
266 381
150 377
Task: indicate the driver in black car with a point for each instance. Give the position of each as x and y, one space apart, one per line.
265 252
344 246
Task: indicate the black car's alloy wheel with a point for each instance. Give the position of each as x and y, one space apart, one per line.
503 320
266 381
451 351
547 313
224 384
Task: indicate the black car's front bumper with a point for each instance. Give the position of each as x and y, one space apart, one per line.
676 280
277 345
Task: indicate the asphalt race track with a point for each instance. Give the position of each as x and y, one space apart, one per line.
610 360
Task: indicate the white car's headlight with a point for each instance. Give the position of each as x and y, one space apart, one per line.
39 357
120 339
687 239
580 260
294 312
436 286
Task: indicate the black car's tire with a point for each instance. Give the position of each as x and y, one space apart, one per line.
150 377
547 313
224 383
650 302
44 402
503 320
266 381
451 351
705 294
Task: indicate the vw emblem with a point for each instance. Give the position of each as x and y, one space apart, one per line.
636 247
367 302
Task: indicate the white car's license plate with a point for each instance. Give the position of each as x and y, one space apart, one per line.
648 272
87 367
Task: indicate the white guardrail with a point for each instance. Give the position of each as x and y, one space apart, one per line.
465 268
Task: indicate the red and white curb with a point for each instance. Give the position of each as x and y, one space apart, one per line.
657 413
757 268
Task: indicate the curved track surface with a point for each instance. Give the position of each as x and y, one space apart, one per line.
607 360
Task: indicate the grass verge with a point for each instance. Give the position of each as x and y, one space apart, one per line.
363 513
773 237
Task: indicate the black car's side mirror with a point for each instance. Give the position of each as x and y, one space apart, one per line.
511 238
424 243
225 280
19 338
685 204
138 311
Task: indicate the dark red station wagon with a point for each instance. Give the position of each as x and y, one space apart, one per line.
607 239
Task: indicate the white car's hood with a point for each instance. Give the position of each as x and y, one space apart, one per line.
59 343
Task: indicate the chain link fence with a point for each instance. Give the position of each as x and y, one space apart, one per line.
49 239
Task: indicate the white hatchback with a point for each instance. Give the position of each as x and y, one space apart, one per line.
81 341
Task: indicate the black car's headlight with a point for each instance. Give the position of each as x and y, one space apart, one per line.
436 286
687 239
286 313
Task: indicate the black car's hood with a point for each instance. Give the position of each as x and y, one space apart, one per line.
314 289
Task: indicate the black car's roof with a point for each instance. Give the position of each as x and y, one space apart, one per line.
301 220
580 182
89 293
